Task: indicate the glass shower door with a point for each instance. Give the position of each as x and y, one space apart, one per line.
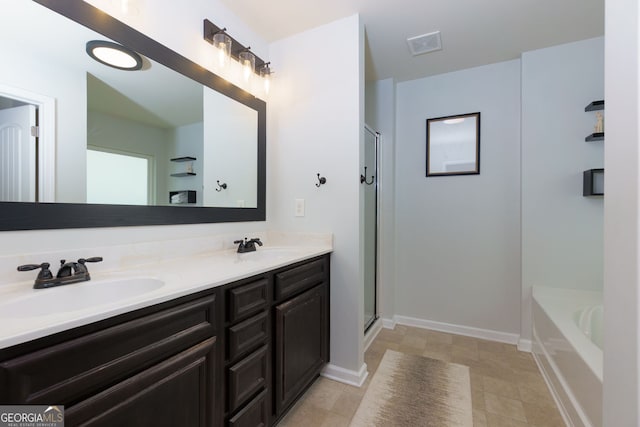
369 179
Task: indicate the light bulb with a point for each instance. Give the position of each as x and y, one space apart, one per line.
265 73
222 43
248 62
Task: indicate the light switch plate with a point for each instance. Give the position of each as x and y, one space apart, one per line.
299 207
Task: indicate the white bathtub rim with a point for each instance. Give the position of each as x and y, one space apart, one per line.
548 300
573 401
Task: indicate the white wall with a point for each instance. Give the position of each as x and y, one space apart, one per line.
315 126
621 220
458 237
380 113
562 231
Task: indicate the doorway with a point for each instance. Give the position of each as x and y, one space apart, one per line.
369 178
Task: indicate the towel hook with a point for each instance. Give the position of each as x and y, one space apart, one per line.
222 186
321 180
363 178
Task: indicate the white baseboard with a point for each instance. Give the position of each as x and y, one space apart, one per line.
389 323
372 333
347 376
524 345
486 334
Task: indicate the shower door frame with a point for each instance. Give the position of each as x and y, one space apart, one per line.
370 322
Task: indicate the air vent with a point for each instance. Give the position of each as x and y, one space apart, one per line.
425 43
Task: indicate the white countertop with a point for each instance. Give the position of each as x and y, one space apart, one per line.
180 276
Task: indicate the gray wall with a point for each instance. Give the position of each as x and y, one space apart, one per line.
458 237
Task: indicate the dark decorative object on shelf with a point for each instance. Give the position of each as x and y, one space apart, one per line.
182 197
595 106
593 182
597 136
183 159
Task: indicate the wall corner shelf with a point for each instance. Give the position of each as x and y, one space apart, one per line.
595 106
596 136
183 159
181 174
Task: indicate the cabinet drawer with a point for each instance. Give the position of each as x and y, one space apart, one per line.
254 414
247 335
247 299
299 278
246 378
72 370
149 398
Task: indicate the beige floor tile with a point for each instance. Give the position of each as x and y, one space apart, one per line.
479 418
500 387
336 420
439 337
464 352
414 341
495 420
543 416
347 404
536 395
505 406
491 346
477 399
466 342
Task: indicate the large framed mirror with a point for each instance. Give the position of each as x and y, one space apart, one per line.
453 145
171 143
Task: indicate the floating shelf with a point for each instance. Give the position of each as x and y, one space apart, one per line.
186 196
183 159
183 174
598 136
595 106
593 182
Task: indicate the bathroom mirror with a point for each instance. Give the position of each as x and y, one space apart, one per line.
453 145
205 131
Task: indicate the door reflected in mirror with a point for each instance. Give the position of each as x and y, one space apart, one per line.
453 145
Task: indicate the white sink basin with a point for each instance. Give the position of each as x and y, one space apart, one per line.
77 296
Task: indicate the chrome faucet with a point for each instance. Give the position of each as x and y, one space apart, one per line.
69 272
247 245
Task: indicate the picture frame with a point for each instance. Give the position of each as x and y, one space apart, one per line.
453 145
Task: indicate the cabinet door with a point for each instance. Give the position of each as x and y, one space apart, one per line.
301 344
176 392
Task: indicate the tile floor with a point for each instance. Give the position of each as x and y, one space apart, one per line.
506 386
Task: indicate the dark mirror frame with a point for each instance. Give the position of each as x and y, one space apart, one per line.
33 216
476 171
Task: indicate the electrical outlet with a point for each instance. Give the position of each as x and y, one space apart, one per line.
299 207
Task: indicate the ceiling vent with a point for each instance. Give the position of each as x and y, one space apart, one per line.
425 43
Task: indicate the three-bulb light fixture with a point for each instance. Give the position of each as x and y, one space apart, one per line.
228 49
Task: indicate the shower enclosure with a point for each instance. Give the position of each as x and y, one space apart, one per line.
369 179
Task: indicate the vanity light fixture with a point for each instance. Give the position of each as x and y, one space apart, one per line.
114 55
265 73
222 42
251 63
248 62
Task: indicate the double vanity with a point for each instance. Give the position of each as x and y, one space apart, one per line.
210 339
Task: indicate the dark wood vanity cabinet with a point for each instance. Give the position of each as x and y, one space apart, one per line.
154 366
238 355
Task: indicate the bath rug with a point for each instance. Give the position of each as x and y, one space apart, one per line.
409 390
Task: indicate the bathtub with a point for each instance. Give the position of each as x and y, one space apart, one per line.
567 346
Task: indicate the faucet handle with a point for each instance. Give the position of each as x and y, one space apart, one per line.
92 259
44 274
